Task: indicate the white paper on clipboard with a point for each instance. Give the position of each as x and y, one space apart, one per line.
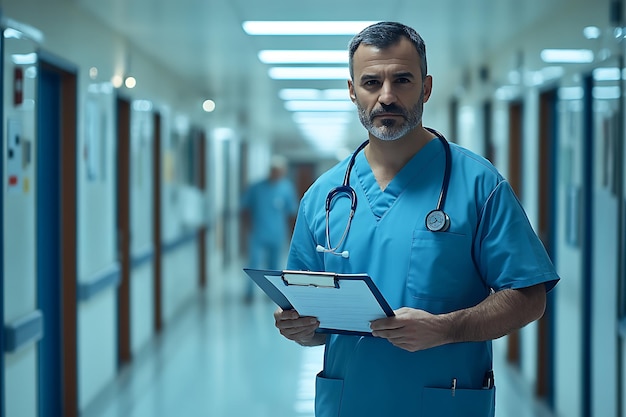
343 303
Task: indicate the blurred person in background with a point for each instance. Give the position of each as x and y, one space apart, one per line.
268 209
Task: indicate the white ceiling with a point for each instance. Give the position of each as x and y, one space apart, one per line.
203 41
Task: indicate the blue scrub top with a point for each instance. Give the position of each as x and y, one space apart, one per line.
490 244
270 203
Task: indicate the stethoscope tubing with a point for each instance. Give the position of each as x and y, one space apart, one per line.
345 188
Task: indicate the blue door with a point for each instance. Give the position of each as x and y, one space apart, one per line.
48 248
2 245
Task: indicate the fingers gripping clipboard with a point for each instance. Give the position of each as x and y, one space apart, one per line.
343 303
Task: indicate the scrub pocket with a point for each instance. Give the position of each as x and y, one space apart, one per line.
439 402
442 276
328 394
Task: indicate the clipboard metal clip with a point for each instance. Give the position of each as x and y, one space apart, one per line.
310 280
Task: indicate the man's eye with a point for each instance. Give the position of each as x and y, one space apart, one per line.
403 80
371 82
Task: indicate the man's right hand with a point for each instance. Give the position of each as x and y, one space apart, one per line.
299 329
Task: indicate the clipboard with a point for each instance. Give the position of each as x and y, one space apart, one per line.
343 303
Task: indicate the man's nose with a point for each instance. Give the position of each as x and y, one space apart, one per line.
387 95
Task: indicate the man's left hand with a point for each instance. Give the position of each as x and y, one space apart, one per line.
411 329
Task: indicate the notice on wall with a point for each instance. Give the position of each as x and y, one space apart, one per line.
14 157
91 150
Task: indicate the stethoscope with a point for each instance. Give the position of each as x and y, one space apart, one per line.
436 220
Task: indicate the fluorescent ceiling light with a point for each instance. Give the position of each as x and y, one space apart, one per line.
326 130
592 32
304 28
313 94
323 117
606 93
24 59
569 56
303 56
609 74
305 105
10 33
309 73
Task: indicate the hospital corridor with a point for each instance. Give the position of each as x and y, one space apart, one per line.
225 358
446 179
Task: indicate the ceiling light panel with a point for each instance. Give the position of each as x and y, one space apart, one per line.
313 94
304 28
606 93
309 73
311 105
609 74
303 57
592 32
323 117
567 56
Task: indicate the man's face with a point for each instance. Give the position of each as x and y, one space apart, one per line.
388 89
276 173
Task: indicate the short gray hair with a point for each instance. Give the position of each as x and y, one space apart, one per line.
385 34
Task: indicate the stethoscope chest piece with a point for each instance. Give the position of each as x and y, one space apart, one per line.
437 221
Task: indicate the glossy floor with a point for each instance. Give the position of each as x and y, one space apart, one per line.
222 357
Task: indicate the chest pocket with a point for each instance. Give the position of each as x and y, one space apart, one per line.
442 276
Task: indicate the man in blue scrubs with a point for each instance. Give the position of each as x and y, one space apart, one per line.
483 275
268 209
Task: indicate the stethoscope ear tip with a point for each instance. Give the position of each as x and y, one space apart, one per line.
320 248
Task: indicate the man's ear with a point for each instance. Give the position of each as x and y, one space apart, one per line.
428 87
351 91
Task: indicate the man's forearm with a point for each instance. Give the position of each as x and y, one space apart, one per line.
497 315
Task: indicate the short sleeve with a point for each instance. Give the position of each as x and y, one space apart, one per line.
302 253
508 252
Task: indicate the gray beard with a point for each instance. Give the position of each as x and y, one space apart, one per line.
392 129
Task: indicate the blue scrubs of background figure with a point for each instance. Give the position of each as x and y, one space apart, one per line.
270 204
485 248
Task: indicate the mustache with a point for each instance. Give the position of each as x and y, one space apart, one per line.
388 109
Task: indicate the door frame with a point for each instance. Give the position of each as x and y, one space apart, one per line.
226 211
201 169
487 113
67 226
588 155
123 110
548 137
621 272
515 178
156 223
2 69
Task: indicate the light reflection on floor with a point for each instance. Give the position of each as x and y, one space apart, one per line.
224 358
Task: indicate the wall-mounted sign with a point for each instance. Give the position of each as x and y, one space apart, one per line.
14 159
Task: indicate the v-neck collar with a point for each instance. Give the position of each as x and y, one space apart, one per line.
380 201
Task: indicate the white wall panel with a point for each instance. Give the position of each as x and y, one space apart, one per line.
180 278
142 306
97 345
19 275
569 321
20 383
